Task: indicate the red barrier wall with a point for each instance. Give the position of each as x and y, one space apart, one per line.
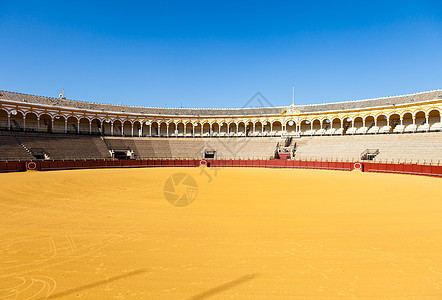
274 163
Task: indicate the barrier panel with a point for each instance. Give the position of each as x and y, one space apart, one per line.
273 163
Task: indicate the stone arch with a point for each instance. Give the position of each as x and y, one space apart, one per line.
45 123
31 121
180 128
4 119
154 128
172 129
316 124
163 129
95 126
17 120
241 128
106 126
224 128
72 124
59 123
84 125
233 128
435 120
198 129
291 129
305 126
189 129
276 128
206 129
258 128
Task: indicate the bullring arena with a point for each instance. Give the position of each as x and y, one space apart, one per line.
338 200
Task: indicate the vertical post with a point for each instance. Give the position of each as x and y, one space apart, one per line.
78 126
90 127
132 130
150 129
122 129
112 128
24 123
38 123
9 121
65 125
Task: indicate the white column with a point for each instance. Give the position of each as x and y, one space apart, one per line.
24 123
112 128
202 129
65 125
38 123
52 124
9 121
185 130
122 129
90 127
150 129
78 126
402 121
132 130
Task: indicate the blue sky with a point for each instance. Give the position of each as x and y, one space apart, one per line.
220 53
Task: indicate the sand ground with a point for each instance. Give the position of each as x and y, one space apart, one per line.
249 233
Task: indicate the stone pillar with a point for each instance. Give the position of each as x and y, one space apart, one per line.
24 123
90 127
112 128
9 121
132 130
65 125
38 123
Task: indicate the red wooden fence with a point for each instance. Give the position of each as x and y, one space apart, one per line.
415 169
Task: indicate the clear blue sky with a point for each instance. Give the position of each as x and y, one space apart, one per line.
219 53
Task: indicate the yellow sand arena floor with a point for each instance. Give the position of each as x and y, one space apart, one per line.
249 233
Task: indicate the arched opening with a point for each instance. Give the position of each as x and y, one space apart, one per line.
435 120
197 129
127 128
421 122
290 127
163 129
305 127
358 125
336 127
232 129
145 128
189 129
31 122
117 128
369 125
249 129
215 129
381 123
72 125
241 129
316 126
224 129
267 128
326 125
58 124
258 128
137 128
155 129
106 127
180 128
3 119
84 126
17 122
206 129
346 124
95 126
45 123
172 128
277 128
394 121
409 125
